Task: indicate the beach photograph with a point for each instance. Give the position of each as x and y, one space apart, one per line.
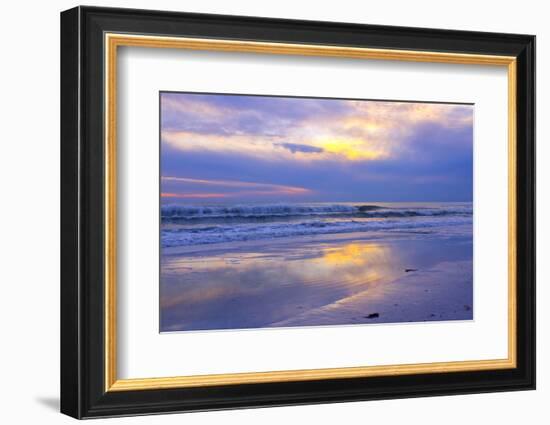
280 211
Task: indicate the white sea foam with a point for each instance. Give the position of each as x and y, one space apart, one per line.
243 232
183 213
196 225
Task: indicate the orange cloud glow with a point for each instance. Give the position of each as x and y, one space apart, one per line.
192 195
249 188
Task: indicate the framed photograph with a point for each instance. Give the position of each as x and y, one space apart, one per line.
261 212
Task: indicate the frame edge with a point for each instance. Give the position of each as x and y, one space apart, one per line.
70 349
526 203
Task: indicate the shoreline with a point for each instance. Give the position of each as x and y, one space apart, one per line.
233 246
321 280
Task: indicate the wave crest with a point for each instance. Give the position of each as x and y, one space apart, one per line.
193 213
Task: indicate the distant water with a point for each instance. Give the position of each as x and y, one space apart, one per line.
185 225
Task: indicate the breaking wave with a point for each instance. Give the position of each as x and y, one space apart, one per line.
197 225
175 213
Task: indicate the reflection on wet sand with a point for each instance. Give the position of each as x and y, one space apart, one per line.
288 284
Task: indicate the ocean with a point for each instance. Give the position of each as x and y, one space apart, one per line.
316 264
188 225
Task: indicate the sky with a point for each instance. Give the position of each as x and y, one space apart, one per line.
218 148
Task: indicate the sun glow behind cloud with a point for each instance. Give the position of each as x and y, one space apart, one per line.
351 149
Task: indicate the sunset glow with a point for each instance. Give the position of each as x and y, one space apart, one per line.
276 148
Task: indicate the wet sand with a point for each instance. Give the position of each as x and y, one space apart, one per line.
324 280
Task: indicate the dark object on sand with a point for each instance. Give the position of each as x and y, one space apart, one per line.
372 316
410 270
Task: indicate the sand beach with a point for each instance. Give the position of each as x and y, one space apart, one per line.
319 280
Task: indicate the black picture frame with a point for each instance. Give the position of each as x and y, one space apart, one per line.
83 392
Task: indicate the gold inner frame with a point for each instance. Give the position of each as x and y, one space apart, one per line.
113 41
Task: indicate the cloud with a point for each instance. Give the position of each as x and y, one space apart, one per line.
188 188
337 149
295 147
192 195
